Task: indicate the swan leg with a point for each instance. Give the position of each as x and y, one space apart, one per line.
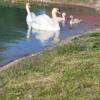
29 31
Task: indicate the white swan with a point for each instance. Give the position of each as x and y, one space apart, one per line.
50 25
63 17
74 21
29 19
43 22
46 23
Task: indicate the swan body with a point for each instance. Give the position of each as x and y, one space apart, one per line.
43 23
74 21
46 23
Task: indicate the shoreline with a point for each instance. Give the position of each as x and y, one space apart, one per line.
52 46
67 40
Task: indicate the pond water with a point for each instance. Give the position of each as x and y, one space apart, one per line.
13 30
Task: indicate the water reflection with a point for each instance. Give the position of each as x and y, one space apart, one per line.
13 30
45 37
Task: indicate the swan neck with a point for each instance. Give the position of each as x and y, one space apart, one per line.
54 15
27 9
63 17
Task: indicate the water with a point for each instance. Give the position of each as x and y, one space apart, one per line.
13 31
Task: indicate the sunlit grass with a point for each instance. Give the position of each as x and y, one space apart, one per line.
69 71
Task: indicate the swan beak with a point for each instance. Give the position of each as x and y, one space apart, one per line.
58 11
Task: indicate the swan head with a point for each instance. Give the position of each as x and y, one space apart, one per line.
71 16
55 11
63 15
28 5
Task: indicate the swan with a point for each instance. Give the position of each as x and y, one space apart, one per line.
30 15
63 17
29 19
42 22
46 23
74 21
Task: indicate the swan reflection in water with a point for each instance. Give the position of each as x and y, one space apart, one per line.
45 37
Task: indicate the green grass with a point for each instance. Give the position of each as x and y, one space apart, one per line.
70 71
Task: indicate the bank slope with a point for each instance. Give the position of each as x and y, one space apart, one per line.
69 71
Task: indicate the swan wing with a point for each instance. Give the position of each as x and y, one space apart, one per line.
33 17
44 20
77 20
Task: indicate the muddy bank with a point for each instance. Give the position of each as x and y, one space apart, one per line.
87 3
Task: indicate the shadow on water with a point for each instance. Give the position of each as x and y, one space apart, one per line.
13 30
